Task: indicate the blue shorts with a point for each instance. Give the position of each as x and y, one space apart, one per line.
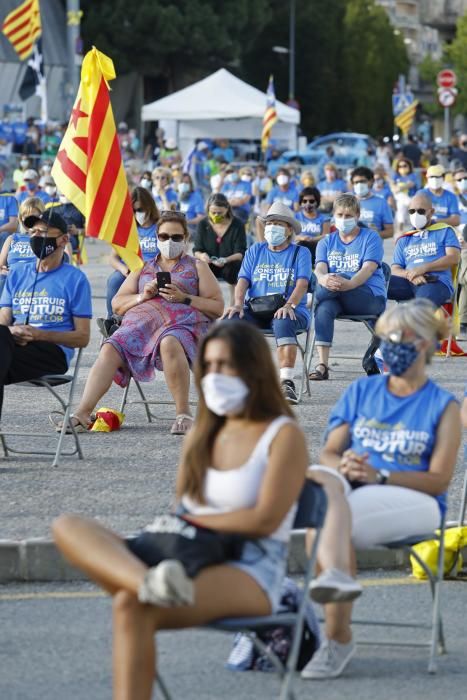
267 567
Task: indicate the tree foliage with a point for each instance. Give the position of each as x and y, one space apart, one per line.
347 55
456 52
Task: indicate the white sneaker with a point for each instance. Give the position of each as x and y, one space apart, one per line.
329 661
167 585
334 586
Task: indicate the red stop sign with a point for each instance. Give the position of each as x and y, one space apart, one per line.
446 78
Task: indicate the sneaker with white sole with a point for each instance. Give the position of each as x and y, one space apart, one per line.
329 660
289 391
167 585
334 586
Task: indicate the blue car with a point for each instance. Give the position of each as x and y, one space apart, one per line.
348 148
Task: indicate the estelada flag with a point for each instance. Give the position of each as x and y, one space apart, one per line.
22 27
270 115
88 168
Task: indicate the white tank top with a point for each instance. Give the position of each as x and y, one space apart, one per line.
234 489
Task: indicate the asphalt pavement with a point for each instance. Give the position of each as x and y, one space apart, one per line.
57 646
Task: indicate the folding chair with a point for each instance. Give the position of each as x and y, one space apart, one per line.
436 643
450 308
311 512
368 321
150 415
50 382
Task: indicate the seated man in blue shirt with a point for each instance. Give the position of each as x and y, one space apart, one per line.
8 212
446 206
45 307
423 258
375 212
277 266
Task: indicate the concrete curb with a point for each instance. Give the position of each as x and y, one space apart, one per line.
38 559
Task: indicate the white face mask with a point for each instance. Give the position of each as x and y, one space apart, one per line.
361 189
171 249
434 183
63 199
345 225
146 183
246 178
50 190
418 221
462 185
274 234
282 180
224 395
140 217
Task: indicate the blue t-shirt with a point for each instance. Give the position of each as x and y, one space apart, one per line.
25 194
407 178
385 192
236 190
348 258
192 205
445 205
59 295
426 247
287 197
267 270
310 227
375 211
463 209
171 197
330 189
20 249
8 207
148 241
399 433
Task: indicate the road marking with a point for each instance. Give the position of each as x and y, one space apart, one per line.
73 595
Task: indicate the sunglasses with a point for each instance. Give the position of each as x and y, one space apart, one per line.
417 211
177 237
308 201
139 210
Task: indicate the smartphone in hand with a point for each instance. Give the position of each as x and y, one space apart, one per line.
163 278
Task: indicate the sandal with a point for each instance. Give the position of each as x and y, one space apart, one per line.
317 375
182 424
79 425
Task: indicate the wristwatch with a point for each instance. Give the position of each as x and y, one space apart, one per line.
187 301
382 475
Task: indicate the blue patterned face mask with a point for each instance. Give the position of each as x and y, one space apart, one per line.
398 357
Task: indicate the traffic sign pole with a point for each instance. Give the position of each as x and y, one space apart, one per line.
447 125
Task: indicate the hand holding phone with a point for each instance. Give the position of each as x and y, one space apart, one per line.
163 278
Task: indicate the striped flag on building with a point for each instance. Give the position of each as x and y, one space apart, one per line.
270 115
405 119
88 168
22 27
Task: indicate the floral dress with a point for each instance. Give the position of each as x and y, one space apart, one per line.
144 326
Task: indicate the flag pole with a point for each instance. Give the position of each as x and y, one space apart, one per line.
73 33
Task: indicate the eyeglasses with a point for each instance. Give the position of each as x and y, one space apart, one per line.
308 201
417 211
176 237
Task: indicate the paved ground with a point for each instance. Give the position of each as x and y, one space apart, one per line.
58 648
128 476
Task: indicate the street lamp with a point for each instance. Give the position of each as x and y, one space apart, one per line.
290 50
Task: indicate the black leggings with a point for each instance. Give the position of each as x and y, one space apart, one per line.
19 363
229 272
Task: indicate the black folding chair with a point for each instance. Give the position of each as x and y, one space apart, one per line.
311 512
50 382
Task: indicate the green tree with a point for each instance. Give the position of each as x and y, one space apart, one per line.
182 40
456 52
372 58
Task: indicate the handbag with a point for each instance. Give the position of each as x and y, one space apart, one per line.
195 547
263 308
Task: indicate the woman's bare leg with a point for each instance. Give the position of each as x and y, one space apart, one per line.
220 591
176 372
99 552
99 380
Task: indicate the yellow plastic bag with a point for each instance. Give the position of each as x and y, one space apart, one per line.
455 539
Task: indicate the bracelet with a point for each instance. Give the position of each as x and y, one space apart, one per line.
138 299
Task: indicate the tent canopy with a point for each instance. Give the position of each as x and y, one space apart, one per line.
219 96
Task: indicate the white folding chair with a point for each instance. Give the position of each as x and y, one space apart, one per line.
50 382
311 512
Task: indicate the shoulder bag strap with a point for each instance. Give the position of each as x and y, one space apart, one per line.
287 285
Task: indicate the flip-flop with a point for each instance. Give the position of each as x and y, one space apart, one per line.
80 426
182 424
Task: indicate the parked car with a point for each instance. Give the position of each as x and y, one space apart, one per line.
348 147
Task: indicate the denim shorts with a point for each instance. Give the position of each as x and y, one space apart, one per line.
266 564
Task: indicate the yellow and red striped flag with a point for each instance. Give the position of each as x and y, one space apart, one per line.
88 168
404 120
22 27
270 115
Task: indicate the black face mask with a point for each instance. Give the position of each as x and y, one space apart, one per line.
42 247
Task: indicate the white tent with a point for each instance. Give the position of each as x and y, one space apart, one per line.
219 106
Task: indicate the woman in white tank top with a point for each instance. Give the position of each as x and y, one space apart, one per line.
242 469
